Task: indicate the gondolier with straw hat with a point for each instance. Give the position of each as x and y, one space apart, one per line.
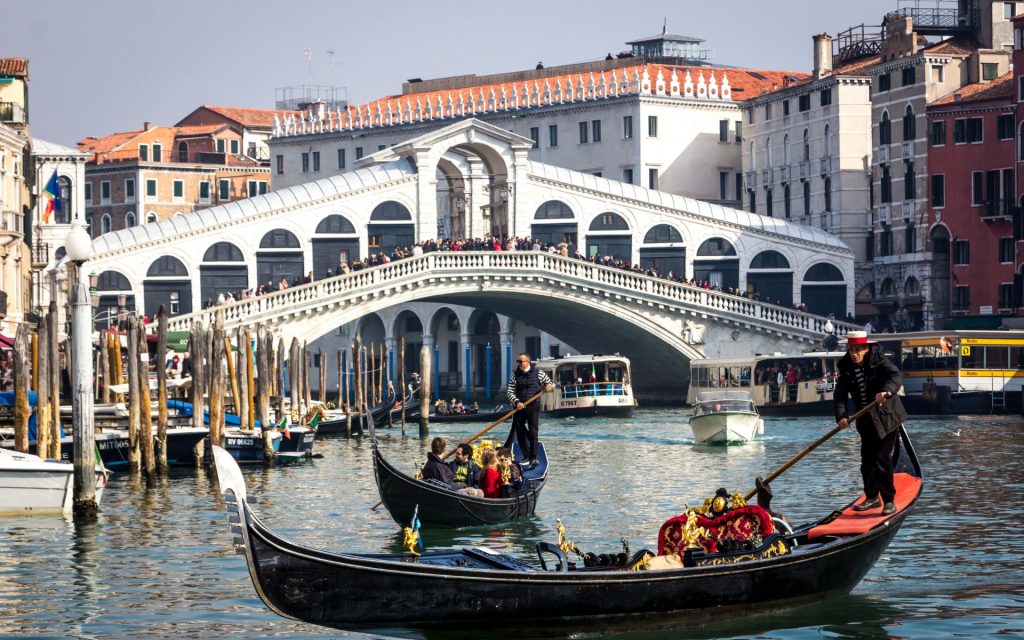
867 377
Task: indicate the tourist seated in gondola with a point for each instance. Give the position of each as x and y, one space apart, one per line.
490 477
435 467
465 471
511 472
441 407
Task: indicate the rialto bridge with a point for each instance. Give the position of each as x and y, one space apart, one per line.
470 180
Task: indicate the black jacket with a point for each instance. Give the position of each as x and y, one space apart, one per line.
882 375
436 469
524 385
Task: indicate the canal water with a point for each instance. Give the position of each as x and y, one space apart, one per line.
159 564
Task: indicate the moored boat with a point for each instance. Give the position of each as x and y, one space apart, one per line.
113 446
588 386
820 559
721 417
30 485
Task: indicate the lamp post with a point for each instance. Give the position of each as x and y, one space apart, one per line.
78 245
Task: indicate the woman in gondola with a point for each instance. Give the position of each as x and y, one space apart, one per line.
490 477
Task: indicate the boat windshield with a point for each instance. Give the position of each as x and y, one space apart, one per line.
714 402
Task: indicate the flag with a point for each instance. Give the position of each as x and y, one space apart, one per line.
593 372
316 420
284 425
416 526
52 191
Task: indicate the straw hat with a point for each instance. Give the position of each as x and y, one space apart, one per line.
859 337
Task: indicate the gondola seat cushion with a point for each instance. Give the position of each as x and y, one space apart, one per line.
740 524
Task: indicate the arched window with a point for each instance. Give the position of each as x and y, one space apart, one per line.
888 288
768 152
716 247
279 239
785 150
884 129
753 155
166 266
769 259
182 151
105 223
67 203
223 252
912 287
768 202
609 221
129 219
828 194
390 211
662 233
909 124
824 272
787 201
828 141
553 210
151 217
807 197
807 146
335 224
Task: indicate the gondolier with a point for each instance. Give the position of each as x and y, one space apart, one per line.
525 382
866 376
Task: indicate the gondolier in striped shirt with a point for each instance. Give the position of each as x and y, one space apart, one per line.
526 381
865 376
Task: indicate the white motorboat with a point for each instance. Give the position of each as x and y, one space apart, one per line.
721 417
30 485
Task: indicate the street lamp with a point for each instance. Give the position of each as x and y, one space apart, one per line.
78 245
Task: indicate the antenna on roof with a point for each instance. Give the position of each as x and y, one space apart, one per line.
664 26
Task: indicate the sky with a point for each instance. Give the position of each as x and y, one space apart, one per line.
101 66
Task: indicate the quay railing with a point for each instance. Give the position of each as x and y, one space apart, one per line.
407 272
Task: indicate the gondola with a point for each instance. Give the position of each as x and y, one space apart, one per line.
823 558
444 418
441 506
337 424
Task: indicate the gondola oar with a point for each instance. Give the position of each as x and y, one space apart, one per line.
763 484
491 426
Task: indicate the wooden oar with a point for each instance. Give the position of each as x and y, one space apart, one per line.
497 422
491 426
789 463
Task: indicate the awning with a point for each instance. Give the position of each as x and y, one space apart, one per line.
975 322
5 342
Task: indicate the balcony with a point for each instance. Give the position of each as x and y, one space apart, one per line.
883 154
996 210
945 18
805 170
883 213
826 165
12 113
784 174
40 255
211 157
907 150
766 177
909 209
10 223
748 180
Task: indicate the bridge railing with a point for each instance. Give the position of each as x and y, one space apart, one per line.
368 281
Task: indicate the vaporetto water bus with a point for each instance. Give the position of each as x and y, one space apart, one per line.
804 388
958 371
588 385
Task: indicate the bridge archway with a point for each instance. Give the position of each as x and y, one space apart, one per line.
223 270
167 283
408 326
486 340
718 263
555 223
451 200
664 249
334 241
445 327
391 227
770 276
824 290
609 235
112 286
279 257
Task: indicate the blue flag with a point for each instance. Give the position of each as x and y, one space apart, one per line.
415 524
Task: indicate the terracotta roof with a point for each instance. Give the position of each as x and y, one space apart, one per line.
259 118
958 46
107 143
191 130
14 67
999 89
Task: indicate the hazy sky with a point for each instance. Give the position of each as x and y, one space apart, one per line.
101 66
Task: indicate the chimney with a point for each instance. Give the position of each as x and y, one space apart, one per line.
146 126
822 55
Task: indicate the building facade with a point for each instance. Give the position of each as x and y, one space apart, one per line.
17 181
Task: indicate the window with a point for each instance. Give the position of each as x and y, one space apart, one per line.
1006 250
341 159
886 185
753 201
723 131
381 147
804 102
305 162
220 145
584 129
989 70
938 73
151 217
652 177
723 185
157 152
1006 295
977 188
961 298
909 182
595 130
144 152
262 186
910 239
787 204
909 76
909 124
316 161
975 131
234 147
223 189
105 223
175 303
739 186
738 129
652 126
359 152
785 107
885 129
767 111
937 136
178 190
129 190
826 97
1005 126
885 242
251 188
807 198
961 252
959 131
768 202
280 164
88 193
129 220
938 190
1009 10
151 189
627 176
204 190
553 135
828 194
534 135
105 192
807 146
627 127
883 82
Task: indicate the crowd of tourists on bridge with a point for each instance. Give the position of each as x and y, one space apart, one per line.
493 243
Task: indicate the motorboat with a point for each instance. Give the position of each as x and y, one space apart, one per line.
720 417
30 485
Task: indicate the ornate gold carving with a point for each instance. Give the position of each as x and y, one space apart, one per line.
409 540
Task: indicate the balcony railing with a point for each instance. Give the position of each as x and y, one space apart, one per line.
907 149
784 174
805 170
41 254
12 113
994 209
883 154
11 223
749 179
826 165
883 213
945 18
766 177
908 210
